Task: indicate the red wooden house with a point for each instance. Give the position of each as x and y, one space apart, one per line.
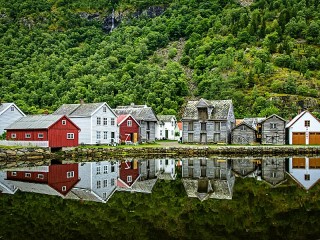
51 180
129 173
129 128
54 130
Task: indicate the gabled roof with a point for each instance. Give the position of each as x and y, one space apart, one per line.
166 118
81 110
142 186
220 109
253 121
5 106
139 112
296 118
36 122
246 124
122 118
273 115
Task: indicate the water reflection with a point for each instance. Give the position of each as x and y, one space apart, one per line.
202 178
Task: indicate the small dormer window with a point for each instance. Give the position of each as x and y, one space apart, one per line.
129 123
203 113
104 109
307 123
64 122
12 108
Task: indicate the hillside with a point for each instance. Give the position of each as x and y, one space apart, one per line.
265 55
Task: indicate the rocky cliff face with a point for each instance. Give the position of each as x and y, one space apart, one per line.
112 20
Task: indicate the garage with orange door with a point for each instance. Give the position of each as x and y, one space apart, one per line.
299 138
314 138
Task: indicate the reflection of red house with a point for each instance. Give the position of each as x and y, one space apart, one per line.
129 128
62 177
56 130
129 173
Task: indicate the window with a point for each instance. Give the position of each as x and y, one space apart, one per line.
13 173
307 177
172 124
99 184
307 123
112 121
129 123
104 195
40 135
98 134
98 170
104 109
28 135
160 162
273 125
112 167
160 132
190 137
166 162
40 176
105 135
105 121
203 126
12 108
217 126
274 174
64 188
216 137
242 128
112 181
13 135
129 179
27 174
105 183
70 174
171 132
70 135
190 126
64 122
98 120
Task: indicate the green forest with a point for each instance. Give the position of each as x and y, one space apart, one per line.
262 54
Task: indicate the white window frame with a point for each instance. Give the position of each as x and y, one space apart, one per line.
70 174
98 120
98 134
104 195
70 135
129 179
64 188
112 181
40 176
13 135
105 121
27 174
129 123
27 135
64 122
98 184
105 135
13 174
104 109
112 122
307 123
105 183
98 170
40 135
105 169
12 108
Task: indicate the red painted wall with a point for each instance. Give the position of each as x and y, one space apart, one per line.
20 135
124 129
127 169
58 134
20 176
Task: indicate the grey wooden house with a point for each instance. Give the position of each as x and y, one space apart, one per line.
144 116
207 121
243 134
273 170
246 167
272 130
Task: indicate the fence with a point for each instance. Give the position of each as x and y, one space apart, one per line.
25 143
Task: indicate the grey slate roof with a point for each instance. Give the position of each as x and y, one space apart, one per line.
253 121
165 118
35 122
78 110
139 112
220 109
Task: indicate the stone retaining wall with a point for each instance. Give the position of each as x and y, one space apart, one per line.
40 156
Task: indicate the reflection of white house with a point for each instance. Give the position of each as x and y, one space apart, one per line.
205 178
166 127
98 180
5 185
304 129
9 113
165 169
304 170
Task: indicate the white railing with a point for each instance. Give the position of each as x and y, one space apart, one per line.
25 143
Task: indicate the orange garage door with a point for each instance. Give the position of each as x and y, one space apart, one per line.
298 138
314 138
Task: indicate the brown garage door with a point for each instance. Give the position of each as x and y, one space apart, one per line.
314 138
298 138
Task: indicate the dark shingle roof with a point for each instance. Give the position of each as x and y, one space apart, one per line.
35 122
165 118
220 108
78 110
139 112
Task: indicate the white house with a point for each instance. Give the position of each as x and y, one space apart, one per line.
166 169
98 180
9 113
304 129
166 127
305 171
97 121
5 185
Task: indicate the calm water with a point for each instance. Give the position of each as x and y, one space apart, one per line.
170 198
